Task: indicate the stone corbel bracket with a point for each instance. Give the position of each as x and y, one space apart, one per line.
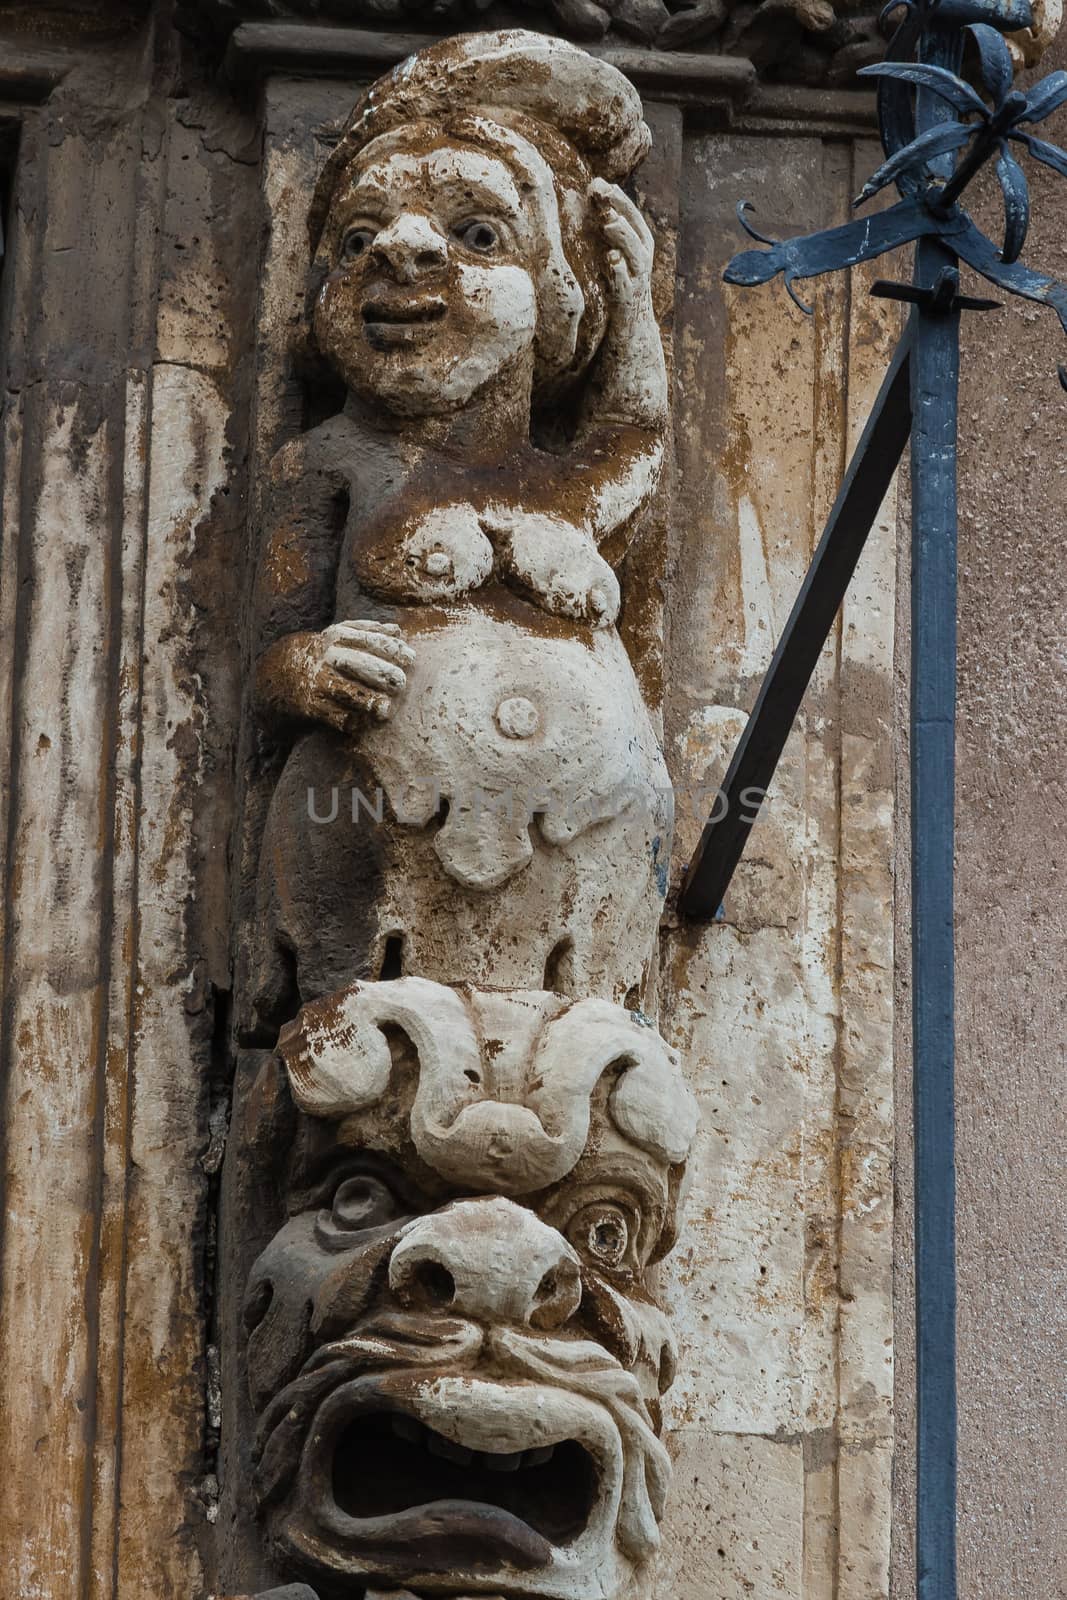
455 1356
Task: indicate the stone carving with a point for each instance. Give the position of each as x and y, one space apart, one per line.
794 40
818 42
453 1350
453 1353
436 600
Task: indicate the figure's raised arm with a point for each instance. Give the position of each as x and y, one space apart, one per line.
592 494
624 415
628 387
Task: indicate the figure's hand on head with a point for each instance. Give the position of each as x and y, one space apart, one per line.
556 563
351 668
630 245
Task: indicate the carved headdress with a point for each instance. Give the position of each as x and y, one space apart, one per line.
555 114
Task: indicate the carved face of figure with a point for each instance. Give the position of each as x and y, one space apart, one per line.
430 293
453 1352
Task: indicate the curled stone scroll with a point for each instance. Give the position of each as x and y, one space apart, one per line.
454 1355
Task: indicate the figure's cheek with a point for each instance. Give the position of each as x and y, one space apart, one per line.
345 1288
336 319
501 299
301 1295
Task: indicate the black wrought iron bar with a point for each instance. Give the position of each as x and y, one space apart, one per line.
756 757
935 386
985 144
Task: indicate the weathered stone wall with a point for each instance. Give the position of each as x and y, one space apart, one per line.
782 1411
784 1417
131 226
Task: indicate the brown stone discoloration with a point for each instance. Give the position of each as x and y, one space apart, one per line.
111 1368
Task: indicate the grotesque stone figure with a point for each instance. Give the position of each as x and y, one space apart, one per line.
474 792
452 1350
453 1353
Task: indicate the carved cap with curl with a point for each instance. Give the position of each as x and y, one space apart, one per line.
588 102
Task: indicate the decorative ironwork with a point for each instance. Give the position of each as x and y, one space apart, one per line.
937 133
928 207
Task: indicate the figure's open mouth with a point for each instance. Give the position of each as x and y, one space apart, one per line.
415 1472
401 321
386 1462
426 311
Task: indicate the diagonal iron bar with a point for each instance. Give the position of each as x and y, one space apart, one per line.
858 501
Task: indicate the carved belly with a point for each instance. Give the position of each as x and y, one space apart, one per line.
502 730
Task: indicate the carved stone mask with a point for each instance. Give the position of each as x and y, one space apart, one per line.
453 1351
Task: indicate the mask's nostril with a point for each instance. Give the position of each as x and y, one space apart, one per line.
557 1296
428 259
432 1284
548 1288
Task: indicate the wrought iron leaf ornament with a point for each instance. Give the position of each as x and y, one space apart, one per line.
981 131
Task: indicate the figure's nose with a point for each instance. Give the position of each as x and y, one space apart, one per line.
412 245
490 1260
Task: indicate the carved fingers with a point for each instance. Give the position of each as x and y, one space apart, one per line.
631 246
357 667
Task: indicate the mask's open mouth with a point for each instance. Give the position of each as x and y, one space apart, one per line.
385 1463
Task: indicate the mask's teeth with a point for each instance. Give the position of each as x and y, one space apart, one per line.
437 1445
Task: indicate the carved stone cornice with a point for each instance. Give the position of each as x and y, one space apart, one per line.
810 42
813 44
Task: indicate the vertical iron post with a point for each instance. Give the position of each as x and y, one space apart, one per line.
990 120
935 383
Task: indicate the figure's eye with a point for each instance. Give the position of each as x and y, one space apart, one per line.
354 242
602 1232
478 235
362 1202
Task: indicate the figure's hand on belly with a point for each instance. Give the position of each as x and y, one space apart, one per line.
557 563
349 669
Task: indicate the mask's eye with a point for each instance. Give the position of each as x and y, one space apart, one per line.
602 1233
355 242
362 1202
478 235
